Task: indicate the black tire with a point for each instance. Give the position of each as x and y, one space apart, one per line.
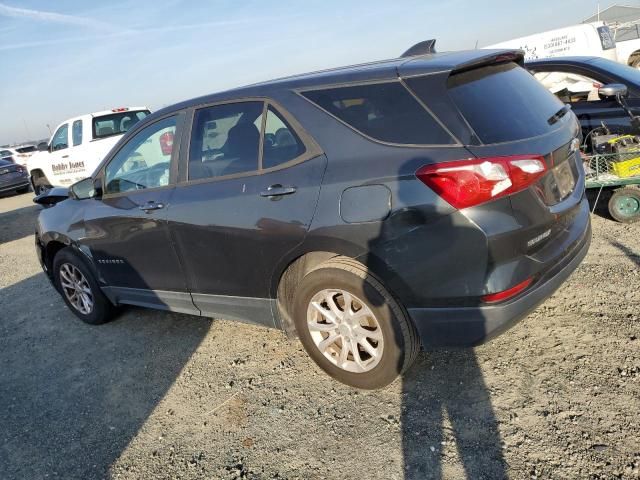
624 205
103 310
401 344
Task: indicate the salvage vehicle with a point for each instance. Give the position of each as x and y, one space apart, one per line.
368 210
79 145
13 177
578 80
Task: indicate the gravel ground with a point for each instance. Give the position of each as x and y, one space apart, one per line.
161 395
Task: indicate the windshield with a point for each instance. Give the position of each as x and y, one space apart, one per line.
631 75
116 123
503 103
5 153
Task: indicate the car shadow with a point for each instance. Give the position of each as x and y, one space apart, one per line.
447 409
630 254
446 405
72 395
18 223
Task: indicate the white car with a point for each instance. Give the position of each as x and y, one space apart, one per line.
19 155
590 39
78 146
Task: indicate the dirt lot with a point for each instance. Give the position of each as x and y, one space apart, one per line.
159 395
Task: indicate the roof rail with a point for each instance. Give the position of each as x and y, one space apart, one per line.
422 48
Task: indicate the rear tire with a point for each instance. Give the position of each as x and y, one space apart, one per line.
367 318
79 288
624 205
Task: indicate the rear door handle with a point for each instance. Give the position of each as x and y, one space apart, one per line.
65 156
151 205
277 190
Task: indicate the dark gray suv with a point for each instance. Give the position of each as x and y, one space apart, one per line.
432 200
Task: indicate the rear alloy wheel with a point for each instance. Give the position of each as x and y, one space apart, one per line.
351 326
345 330
624 205
79 289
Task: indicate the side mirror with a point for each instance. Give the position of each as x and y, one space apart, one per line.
43 147
83 189
612 90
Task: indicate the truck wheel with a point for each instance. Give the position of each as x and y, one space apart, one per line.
352 327
624 205
79 288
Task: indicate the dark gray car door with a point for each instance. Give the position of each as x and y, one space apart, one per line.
126 228
233 224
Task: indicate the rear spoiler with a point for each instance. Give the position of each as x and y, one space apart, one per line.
456 62
516 56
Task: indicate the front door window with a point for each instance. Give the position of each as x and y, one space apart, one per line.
144 161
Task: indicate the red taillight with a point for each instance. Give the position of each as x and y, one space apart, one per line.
466 183
506 294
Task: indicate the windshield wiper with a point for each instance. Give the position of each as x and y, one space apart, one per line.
559 114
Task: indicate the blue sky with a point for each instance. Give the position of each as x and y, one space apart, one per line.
70 57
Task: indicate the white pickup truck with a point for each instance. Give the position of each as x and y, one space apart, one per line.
79 145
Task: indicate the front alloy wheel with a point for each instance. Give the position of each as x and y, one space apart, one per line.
76 288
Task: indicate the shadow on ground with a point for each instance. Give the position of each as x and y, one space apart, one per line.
72 396
18 223
447 410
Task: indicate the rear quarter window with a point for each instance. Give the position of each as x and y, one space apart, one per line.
503 103
385 112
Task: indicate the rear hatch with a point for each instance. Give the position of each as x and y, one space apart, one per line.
511 117
512 114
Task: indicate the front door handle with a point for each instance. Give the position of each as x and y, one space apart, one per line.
277 190
151 205
65 156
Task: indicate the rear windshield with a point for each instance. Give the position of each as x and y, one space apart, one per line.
116 123
28 149
503 103
385 111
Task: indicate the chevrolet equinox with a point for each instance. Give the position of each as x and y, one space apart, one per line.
429 200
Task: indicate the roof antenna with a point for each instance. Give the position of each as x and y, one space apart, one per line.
425 47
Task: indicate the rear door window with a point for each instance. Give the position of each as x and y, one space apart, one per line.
503 103
385 111
281 144
225 140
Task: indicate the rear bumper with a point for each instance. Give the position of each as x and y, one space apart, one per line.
469 326
14 185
